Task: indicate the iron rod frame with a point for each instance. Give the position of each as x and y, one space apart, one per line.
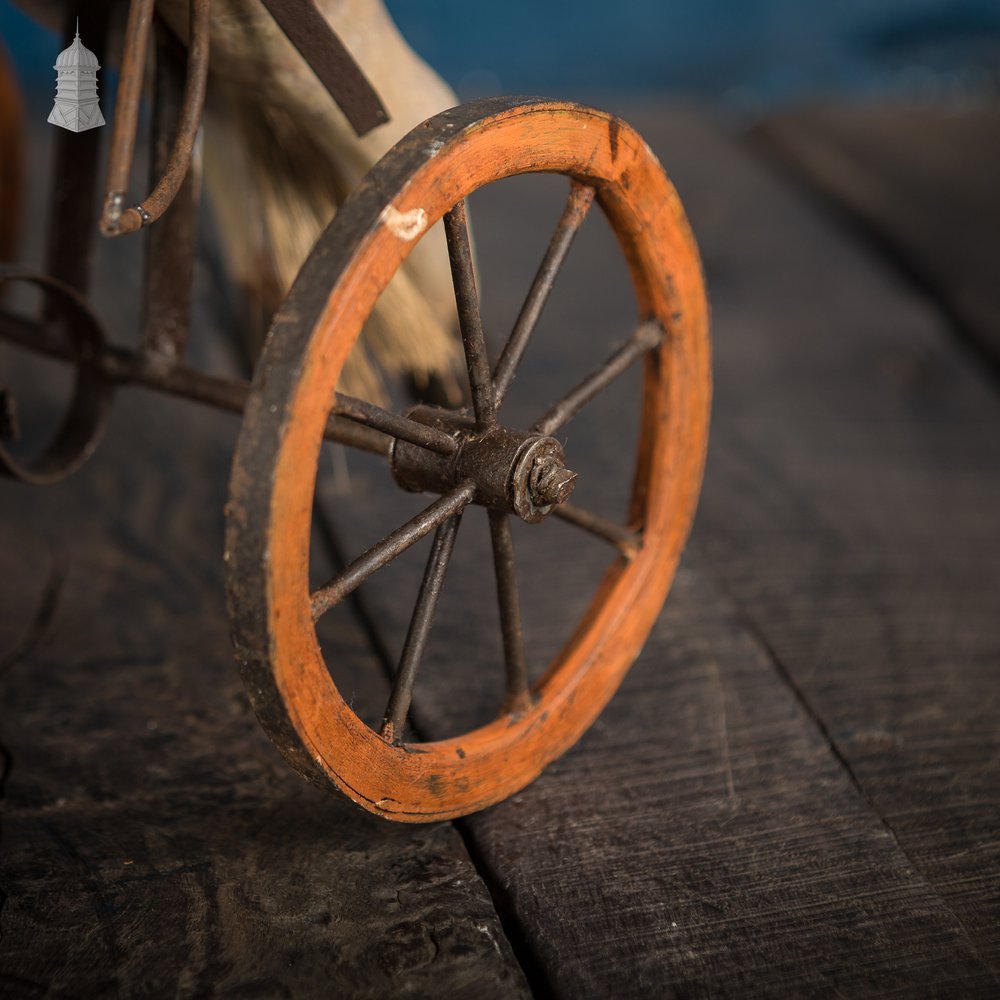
361 424
123 366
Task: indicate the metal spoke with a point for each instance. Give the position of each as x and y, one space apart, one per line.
463 277
648 336
354 435
419 630
628 542
388 548
394 424
581 197
517 698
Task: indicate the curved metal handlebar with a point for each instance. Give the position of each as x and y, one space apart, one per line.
115 219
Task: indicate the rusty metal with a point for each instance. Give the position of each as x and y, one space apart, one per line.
461 457
551 483
463 275
121 366
420 627
326 55
420 434
130 79
627 542
581 197
81 428
73 209
645 338
115 219
172 245
517 697
71 233
516 472
384 551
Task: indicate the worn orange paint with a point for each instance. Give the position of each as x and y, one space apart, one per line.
458 776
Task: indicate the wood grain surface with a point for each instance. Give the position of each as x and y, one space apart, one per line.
152 842
795 791
920 183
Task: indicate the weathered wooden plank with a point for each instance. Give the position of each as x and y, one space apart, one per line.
708 797
152 840
923 183
858 474
703 841
724 829
850 511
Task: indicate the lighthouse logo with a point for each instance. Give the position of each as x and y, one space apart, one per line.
76 106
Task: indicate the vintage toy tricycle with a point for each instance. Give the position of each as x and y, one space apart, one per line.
462 456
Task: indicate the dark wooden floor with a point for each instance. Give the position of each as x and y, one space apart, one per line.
797 790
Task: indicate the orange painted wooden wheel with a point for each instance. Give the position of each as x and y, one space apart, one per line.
468 457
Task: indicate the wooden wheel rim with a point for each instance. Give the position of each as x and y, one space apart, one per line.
269 517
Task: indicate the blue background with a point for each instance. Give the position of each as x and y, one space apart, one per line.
746 55
749 54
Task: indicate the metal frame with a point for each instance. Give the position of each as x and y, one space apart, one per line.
158 363
465 458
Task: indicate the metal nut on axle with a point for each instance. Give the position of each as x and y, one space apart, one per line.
519 472
551 483
538 478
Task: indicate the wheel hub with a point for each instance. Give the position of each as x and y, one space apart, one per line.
519 472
